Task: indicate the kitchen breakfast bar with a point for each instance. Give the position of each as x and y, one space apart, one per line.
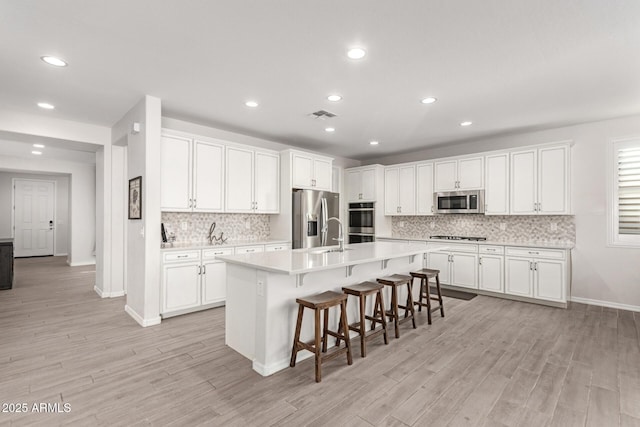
262 289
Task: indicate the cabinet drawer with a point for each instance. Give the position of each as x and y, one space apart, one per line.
249 249
454 247
487 249
212 253
181 256
535 252
277 247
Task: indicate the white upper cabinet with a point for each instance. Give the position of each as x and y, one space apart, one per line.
459 174
192 175
361 184
400 190
253 181
553 181
311 172
175 174
267 182
540 181
239 194
496 195
424 189
208 173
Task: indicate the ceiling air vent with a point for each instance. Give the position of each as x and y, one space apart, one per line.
321 114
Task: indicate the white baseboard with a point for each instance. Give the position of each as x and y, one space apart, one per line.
78 264
64 254
104 294
141 321
266 370
606 304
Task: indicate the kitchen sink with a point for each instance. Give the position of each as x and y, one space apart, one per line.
325 251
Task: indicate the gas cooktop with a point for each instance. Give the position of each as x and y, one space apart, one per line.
475 239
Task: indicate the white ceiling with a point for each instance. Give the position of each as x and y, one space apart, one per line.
508 66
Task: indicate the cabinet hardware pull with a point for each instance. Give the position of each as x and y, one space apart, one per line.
491 250
431 208
217 253
480 261
183 256
534 252
204 269
194 203
530 265
535 266
199 270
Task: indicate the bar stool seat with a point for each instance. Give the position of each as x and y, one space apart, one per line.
362 291
425 291
318 303
395 281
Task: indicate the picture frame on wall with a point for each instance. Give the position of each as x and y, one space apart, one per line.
135 198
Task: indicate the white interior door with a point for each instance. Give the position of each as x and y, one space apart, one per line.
34 217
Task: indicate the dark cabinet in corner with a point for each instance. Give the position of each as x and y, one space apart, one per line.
6 264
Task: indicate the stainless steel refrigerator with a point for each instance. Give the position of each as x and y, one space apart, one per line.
311 210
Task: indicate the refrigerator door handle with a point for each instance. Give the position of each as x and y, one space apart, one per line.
325 219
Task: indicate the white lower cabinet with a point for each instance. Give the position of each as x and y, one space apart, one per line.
193 280
519 276
277 247
536 273
249 249
491 268
181 290
214 276
458 265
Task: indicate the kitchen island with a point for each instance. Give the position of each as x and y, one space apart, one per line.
262 290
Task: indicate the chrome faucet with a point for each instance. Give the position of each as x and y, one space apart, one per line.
340 238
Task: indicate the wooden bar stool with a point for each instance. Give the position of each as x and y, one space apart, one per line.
318 303
361 291
425 291
395 281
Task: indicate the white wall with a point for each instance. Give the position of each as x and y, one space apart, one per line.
601 274
62 206
143 236
81 216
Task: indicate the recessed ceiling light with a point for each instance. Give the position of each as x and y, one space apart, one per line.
466 123
373 143
252 104
356 53
52 60
334 98
329 129
429 100
38 145
37 153
46 105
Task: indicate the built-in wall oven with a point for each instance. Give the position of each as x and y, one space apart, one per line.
362 222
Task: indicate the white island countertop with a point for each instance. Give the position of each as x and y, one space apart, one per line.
299 261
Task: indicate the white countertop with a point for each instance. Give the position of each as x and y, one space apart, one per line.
549 244
229 244
298 261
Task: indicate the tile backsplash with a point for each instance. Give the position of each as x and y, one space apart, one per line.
551 228
234 226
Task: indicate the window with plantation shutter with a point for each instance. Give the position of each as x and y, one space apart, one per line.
626 193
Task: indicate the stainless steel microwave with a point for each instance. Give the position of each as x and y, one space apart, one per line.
459 202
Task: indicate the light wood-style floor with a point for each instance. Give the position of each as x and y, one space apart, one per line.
490 362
